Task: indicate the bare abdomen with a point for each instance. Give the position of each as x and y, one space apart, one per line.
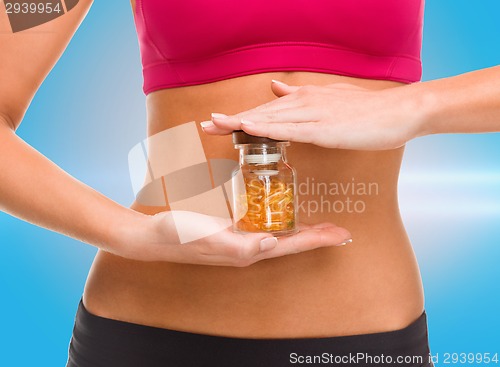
370 285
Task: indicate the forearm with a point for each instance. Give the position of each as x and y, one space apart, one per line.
467 103
36 190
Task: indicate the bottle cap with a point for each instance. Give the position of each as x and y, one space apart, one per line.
241 137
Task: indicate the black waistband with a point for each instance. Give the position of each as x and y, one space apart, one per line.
99 341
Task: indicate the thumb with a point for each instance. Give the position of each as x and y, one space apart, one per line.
281 89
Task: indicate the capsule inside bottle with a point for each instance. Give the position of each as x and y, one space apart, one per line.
266 201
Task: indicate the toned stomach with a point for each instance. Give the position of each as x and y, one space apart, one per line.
371 285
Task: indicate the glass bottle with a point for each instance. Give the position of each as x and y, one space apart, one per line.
264 187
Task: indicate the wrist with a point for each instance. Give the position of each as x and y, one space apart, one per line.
423 104
126 230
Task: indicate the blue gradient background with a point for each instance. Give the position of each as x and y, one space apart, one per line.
449 191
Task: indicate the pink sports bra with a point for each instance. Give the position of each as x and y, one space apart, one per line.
189 42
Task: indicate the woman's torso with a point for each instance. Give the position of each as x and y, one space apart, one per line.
370 285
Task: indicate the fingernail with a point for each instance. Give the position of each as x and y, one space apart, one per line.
345 243
278 82
219 116
205 124
268 243
248 123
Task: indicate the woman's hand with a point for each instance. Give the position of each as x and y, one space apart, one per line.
332 116
162 237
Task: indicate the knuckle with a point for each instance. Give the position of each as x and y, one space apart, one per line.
272 115
237 117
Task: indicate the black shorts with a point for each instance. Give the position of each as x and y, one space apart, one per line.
102 342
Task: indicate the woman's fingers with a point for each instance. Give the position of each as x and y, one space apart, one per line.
318 225
237 249
304 132
306 240
338 115
284 109
211 129
241 250
224 125
225 247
